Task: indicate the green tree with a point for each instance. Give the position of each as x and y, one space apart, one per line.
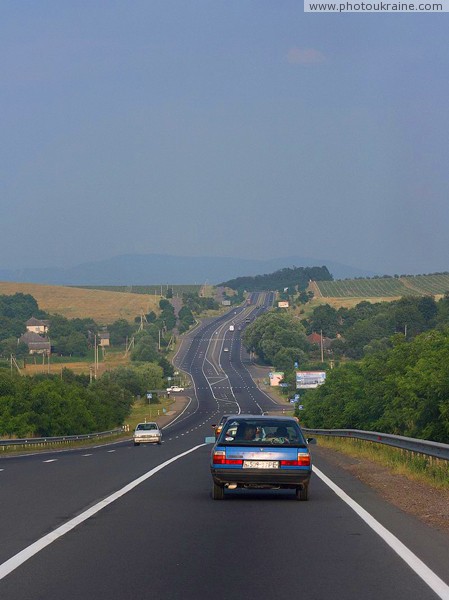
120 331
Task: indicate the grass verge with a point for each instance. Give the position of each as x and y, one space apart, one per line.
140 412
418 467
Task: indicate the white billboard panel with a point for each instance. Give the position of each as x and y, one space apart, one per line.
309 379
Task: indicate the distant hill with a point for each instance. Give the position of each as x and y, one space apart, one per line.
148 269
283 278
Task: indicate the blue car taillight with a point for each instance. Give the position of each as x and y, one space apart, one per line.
303 460
219 458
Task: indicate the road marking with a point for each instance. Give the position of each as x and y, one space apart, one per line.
21 557
51 460
110 451
416 564
180 414
87 454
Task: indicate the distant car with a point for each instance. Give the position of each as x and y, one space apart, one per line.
175 388
147 433
225 349
261 452
219 427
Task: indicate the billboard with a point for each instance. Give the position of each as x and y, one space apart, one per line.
282 304
306 380
275 378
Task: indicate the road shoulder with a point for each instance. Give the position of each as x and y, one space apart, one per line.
430 505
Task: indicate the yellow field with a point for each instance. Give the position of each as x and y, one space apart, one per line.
104 307
37 364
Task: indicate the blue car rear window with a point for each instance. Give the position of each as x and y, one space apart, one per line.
241 432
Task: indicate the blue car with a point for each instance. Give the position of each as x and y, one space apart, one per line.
261 452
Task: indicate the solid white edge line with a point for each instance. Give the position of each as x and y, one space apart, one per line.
18 559
180 415
416 564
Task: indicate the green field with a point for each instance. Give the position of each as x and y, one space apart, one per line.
385 287
153 290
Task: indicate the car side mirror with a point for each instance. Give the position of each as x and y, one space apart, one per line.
311 440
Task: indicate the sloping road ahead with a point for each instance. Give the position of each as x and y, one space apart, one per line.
163 536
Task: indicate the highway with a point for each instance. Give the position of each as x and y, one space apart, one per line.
120 521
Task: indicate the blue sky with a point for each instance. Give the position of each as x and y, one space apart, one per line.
223 128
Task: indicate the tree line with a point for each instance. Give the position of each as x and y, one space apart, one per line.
403 390
368 327
391 364
295 278
50 405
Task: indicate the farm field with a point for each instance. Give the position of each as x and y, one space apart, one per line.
70 302
36 365
154 290
428 284
386 288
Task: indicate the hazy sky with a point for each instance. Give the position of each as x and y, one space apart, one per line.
223 128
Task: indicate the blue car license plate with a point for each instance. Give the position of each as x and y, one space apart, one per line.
261 464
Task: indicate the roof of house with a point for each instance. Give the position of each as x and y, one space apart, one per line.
35 341
315 338
34 321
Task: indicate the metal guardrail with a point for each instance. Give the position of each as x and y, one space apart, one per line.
435 449
66 439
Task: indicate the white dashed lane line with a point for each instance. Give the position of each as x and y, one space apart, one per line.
111 451
87 454
51 460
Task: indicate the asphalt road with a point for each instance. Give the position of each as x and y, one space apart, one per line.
157 533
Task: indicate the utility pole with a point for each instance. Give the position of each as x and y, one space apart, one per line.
95 356
321 344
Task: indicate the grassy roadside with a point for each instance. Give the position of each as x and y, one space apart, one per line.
416 467
140 411
70 445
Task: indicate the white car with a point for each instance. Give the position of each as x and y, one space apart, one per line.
175 388
147 433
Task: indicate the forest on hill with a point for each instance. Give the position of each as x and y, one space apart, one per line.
295 278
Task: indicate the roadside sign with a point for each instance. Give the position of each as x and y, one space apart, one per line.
309 379
149 396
